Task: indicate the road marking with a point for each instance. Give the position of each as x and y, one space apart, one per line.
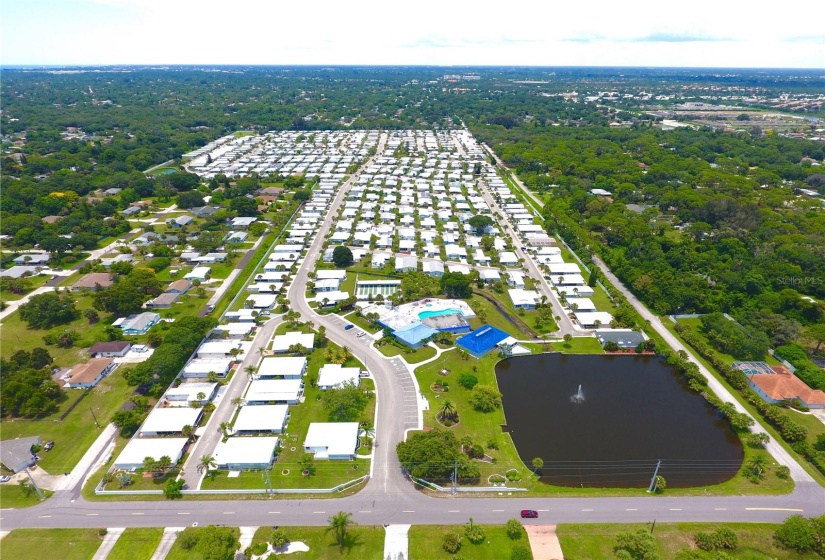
365 511
408 511
542 510
43 516
720 509
773 509
183 513
318 512
498 510
137 513
92 514
229 513
631 509
273 512
675 509
587 510
453 511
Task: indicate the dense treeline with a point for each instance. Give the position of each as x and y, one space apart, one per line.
699 221
28 388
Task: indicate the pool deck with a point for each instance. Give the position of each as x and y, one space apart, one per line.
407 314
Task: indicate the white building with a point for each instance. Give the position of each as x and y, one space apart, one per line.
274 391
216 349
282 342
239 453
334 375
588 318
332 440
523 299
170 421
287 367
265 418
201 368
138 449
186 394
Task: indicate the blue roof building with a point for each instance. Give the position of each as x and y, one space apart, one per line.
414 335
481 340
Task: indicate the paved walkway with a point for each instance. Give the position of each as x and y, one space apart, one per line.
91 459
109 540
170 535
246 540
396 542
544 542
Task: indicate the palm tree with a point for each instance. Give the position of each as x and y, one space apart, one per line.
206 463
164 462
224 428
237 401
447 409
251 370
339 524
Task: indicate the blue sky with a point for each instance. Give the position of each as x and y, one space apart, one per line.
700 33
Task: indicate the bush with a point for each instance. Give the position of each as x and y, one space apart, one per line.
796 534
783 472
485 398
474 533
521 552
514 529
721 538
255 549
467 380
451 543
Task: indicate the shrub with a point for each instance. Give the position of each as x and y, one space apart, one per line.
796 534
721 538
783 472
473 532
514 529
451 543
278 538
521 552
467 380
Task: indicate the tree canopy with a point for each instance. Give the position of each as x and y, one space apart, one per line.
342 256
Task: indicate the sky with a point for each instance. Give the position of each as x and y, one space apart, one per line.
699 33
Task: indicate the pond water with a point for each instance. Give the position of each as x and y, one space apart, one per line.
632 411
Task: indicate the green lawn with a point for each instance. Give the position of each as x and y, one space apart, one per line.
136 544
493 318
363 543
525 320
596 541
578 345
356 319
73 435
178 553
32 283
410 356
140 482
426 543
55 544
11 496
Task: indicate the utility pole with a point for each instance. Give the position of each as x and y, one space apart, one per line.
268 483
35 486
653 480
454 477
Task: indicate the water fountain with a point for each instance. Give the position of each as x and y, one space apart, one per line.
578 397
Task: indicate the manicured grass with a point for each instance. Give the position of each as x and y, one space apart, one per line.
365 543
578 345
601 301
426 542
56 544
596 541
11 496
526 320
32 283
409 355
356 319
73 435
140 482
136 544
493 318
178 553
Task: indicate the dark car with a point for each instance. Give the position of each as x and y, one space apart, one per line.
348 327
529 513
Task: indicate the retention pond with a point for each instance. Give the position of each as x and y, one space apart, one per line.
604 422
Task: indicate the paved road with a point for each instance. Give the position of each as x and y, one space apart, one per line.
389 497
225 409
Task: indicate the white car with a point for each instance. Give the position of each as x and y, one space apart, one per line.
5 478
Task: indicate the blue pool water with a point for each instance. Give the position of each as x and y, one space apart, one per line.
425 314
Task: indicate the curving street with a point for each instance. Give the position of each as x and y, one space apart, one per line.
389 497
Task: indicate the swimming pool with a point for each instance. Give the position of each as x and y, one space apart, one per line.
451 311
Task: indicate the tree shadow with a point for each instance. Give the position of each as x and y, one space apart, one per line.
350 541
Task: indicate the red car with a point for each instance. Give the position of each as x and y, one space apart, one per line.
529 513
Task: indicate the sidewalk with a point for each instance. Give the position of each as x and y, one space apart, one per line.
112 535
544 542
91 459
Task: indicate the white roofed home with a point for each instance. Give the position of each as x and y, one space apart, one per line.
282 342
274 391
190 394
286 367
590 319
138 449
170 421
406 264
332 440
334 375
433 268
523 299
240 453
489 276
261 419
216 349
201 368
